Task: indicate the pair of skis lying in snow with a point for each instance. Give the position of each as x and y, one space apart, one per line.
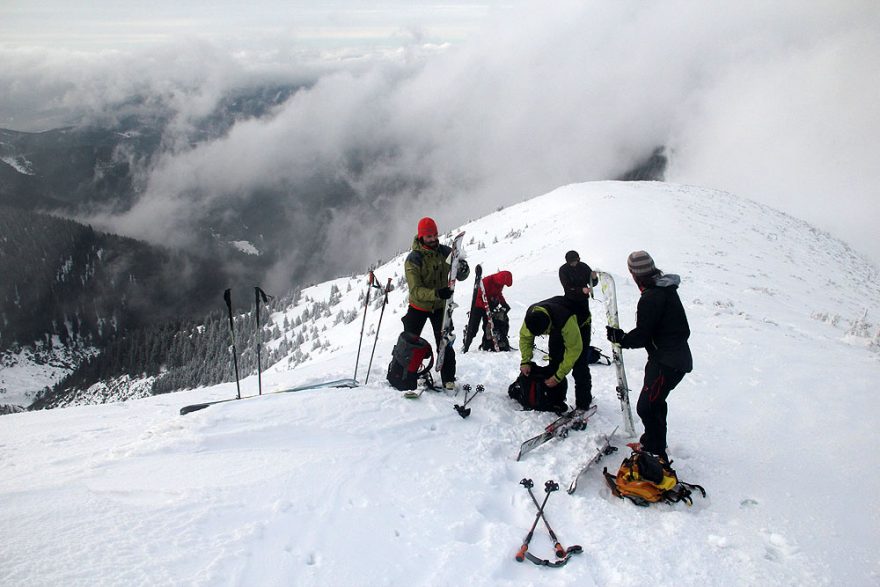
560 428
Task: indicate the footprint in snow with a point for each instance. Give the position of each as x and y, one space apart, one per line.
777 547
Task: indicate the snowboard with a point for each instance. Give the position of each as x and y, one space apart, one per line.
610 293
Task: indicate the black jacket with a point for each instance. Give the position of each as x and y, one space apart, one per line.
574 280
661 326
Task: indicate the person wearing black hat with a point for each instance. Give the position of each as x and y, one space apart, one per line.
557 318
662 329
578 279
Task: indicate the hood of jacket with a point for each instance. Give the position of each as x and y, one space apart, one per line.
668 280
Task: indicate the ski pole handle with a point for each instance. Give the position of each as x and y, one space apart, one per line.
521 555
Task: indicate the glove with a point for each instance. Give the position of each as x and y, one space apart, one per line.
615 335
506 307
444 293
463 270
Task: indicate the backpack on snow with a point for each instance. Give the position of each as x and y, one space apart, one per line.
531 391
644 479
501 326
409 354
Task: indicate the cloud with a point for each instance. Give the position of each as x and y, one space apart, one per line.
774 101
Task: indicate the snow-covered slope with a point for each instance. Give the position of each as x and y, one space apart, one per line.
362 487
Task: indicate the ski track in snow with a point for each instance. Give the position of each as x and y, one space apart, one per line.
363 487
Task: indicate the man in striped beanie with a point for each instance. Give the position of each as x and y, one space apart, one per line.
662 329
640 264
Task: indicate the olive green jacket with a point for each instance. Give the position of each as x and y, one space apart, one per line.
427 270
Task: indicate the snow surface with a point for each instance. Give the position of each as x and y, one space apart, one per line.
362 487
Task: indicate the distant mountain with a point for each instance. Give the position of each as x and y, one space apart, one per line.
67 286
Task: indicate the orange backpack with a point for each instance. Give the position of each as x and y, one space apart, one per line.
644 479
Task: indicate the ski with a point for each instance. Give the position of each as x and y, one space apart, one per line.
447 337
603 449
490 323
558 428
336 383
610 293
478 275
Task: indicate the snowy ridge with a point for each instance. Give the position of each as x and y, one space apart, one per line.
19 163
361 487
118 389
37 369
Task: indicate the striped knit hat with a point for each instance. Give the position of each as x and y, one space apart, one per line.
640 264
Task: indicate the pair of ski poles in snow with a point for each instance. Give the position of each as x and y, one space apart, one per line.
372 283
259 295
562 554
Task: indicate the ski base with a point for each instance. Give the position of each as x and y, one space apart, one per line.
337 383
603 449
558 428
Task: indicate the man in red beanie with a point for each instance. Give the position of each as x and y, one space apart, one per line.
427 275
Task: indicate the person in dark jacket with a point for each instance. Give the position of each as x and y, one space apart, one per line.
427 275
557 318
661 329
492 286
578 279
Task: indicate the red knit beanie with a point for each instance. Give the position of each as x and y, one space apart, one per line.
427 227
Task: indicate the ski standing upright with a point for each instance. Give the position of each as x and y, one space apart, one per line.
490 324
610 293
468 338
447 336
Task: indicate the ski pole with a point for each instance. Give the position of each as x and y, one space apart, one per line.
228 298
259 293
527 483
548 487
463 410
375 340
363 324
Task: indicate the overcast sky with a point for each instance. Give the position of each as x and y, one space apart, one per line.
491 101
128 24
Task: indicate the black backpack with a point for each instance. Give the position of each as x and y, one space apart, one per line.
533 394
501 325
595 355
406 361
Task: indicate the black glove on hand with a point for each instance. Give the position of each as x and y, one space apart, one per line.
444 293
615 335
463 270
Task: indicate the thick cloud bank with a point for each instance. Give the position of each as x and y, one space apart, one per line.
774 101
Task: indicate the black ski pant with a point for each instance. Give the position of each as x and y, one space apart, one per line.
478 316
583 381
414 322
652 409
